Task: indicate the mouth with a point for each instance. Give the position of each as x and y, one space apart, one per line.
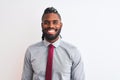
51 31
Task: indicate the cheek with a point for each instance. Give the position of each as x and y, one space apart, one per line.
58 26
44 27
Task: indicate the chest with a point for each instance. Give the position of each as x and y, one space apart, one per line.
61 62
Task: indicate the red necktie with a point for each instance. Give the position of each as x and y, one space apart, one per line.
48 75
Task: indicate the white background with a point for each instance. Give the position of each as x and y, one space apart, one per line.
91 25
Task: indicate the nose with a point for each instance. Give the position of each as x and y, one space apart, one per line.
51 25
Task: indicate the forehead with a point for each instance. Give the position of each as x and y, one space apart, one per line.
51 16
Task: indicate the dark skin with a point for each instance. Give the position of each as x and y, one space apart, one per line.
52 21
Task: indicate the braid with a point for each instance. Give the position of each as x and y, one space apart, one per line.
42 36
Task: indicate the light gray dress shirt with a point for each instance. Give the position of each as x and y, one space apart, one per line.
67 63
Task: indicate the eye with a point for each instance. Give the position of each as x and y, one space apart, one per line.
46 22
55 22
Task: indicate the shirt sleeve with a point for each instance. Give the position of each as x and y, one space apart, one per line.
27 73
77 72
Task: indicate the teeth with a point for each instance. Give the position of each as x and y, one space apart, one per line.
51 31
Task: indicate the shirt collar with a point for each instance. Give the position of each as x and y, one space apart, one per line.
56 43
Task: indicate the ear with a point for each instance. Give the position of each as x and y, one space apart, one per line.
42 25
61 24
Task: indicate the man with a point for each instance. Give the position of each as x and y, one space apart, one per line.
63 62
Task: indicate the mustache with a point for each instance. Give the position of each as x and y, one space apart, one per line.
46 29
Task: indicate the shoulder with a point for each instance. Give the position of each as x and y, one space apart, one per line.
33 48
71 49
35 45
67 45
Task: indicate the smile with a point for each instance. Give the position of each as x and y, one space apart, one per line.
51 31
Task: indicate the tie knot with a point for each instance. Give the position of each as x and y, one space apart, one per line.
51 46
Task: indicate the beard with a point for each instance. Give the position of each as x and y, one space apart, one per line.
50 37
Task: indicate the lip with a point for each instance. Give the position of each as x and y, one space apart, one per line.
51 31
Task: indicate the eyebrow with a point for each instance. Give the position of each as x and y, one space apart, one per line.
50 20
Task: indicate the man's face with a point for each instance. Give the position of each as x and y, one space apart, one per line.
51 26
